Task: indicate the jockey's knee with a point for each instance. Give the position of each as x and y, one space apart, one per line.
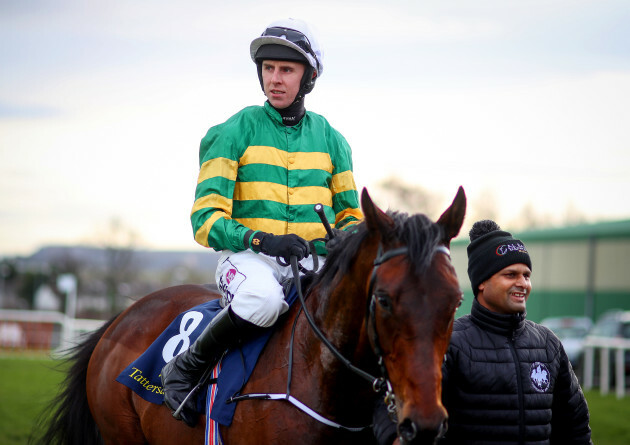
261 310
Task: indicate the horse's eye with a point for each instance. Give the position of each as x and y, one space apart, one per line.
384 301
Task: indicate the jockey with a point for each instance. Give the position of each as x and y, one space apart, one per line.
260 174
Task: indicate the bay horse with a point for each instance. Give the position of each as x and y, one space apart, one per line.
388 293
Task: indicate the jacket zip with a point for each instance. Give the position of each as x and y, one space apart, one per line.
519 384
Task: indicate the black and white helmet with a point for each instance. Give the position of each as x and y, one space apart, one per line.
292 33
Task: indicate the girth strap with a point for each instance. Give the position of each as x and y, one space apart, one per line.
289 398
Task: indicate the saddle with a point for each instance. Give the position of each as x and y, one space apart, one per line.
143 375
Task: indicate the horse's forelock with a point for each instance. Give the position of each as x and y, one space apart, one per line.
421 236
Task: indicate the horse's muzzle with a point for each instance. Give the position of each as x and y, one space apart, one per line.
410 434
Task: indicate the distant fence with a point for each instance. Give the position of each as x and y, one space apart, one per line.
606 346
42 330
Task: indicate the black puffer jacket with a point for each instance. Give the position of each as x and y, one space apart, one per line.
508 380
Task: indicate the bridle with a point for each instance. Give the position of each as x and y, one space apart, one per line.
381 384
382 257
384 388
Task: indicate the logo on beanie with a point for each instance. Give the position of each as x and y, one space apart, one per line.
504 249
539 374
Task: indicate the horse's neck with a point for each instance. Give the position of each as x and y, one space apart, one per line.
340 314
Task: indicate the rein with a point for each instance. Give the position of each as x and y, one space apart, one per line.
380 385
288 397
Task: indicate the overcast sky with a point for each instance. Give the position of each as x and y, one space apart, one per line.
103 105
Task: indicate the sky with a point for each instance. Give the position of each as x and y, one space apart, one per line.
103 105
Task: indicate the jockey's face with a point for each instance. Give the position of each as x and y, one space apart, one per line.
281 81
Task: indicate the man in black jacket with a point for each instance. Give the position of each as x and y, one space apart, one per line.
506 380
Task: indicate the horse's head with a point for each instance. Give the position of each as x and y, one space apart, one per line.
415 293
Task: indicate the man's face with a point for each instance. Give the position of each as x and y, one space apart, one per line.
506 291
281 81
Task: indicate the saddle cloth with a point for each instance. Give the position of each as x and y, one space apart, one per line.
143 374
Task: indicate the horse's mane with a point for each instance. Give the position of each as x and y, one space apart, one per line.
417 232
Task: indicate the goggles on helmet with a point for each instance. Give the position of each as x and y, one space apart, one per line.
293 36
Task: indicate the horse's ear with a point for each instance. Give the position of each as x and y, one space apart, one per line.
453 218
375 218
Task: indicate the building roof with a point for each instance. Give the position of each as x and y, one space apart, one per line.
600 230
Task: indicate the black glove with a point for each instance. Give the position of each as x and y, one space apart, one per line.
335 241
283 246
383 427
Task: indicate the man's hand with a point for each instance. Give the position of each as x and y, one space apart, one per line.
283 246
385 431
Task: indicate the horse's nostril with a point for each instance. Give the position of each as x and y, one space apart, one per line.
410 433
407 430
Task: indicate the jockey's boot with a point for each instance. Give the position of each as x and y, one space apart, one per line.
183 372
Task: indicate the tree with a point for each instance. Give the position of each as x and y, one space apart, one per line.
119 243
484 206
8 276
408 198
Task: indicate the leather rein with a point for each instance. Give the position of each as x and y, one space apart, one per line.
381 384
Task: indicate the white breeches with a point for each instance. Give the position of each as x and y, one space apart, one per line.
250 283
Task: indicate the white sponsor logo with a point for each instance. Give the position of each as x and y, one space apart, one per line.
539 374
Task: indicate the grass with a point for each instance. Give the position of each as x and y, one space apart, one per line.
609 418
29 382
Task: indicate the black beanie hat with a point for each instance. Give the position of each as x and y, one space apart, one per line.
490 250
